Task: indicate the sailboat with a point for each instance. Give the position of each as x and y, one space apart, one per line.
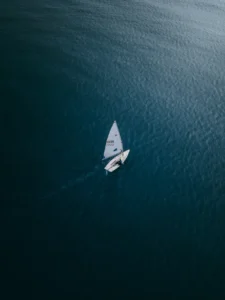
114 146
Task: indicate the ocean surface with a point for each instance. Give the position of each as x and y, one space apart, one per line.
154 229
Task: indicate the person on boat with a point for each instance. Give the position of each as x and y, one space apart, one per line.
119 162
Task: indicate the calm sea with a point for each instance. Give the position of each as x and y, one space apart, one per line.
154 229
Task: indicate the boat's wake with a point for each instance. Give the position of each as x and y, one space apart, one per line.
71 183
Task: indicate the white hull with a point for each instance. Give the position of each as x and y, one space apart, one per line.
112 166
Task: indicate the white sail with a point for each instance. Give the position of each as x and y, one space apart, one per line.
114 143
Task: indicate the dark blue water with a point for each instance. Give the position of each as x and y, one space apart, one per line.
155 229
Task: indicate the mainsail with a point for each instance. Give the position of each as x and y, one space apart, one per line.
114 143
